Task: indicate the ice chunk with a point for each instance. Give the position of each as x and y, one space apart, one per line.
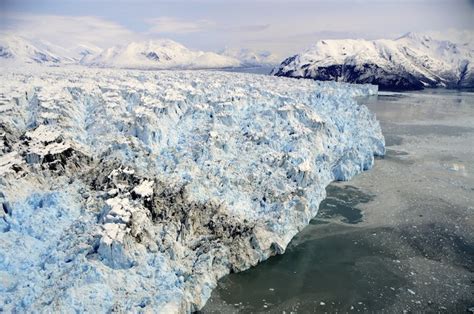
144 189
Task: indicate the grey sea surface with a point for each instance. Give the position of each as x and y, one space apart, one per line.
399 237
264 69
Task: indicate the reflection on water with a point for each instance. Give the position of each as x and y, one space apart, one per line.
428 105
341 202
393 140
397 156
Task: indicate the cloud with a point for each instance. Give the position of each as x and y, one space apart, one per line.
460 36
67 31
248 28
173 25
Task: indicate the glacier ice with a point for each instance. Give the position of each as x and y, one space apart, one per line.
138 190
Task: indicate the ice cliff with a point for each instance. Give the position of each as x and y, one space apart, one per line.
134 191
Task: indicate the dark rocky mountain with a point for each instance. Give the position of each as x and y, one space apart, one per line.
411 62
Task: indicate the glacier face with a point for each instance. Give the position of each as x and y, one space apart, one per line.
413 61
134 191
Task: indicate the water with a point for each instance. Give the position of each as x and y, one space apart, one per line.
342 202
254 70
398 237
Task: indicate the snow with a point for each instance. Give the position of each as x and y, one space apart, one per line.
150 54
416 58
158 54
248 57
20 50
144 189
135 191
8 161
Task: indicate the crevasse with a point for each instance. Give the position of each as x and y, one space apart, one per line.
136 190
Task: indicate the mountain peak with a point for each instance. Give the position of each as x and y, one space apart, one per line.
250 57
19 49
158 54
412 61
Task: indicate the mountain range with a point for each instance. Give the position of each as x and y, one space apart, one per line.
158 54
150 54
411 62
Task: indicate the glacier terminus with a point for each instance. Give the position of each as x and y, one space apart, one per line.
126 190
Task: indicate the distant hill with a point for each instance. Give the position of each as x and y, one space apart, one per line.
158 54
250 58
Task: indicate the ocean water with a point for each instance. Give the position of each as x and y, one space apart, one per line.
254 70
399 237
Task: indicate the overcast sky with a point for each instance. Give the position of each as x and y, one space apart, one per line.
282 27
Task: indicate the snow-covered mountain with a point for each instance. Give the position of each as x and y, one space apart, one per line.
17 49
413 61
151 54
250 58
135 191
158 54
20 50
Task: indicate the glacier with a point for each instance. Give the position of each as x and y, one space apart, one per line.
126 190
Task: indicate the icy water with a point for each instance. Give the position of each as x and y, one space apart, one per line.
399 237
254 70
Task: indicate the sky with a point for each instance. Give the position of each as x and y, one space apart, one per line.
281 27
